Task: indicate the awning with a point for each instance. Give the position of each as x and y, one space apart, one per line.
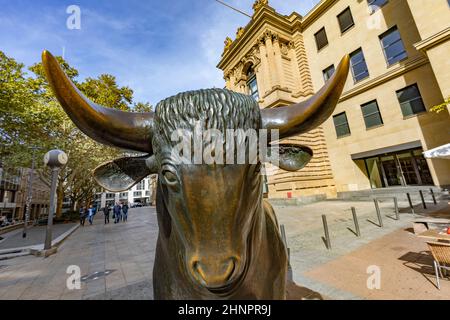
390 149
442 152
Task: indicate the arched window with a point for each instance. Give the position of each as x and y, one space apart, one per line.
252 84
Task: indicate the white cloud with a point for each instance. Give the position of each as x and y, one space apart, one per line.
154 63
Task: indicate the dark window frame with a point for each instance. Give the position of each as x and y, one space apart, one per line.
365 116
342 124
325 72
384 34
251 78
355 80
345 29
326 38
419 97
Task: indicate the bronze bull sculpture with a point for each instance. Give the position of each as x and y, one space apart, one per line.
217 238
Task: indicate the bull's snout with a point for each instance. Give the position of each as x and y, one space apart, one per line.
215 274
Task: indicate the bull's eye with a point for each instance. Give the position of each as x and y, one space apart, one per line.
169 176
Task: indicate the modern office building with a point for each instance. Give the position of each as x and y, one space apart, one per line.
399 69
143 193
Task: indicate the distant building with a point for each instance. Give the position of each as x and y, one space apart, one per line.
400 66
13 194
143 193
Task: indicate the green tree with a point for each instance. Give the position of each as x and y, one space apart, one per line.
441 107
31 115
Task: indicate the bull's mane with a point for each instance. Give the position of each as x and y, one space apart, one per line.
219 109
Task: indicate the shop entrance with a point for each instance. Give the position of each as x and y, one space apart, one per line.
402 168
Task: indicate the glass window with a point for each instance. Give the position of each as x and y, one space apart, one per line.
393 47
321 38
373 168
252 84
137 193
341 124
371 114
410 100
359 66
328 72
374 5
140 185
345 20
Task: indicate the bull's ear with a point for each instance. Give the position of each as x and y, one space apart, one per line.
293 157
121 174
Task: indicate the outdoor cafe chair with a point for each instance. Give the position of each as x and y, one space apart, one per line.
441 255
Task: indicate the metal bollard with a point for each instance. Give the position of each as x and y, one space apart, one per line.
377 208
283 236
397 216
432 195
423 200
327 234
410 203
355 220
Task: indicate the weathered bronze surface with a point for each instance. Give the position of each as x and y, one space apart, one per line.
217 239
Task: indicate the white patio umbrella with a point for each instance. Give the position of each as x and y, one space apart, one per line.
442 152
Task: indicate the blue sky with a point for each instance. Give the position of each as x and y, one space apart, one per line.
158 48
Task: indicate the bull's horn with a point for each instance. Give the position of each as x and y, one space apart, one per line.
302 117
128 130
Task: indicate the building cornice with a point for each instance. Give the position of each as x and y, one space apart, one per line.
391 74
316 12
266 18
434 40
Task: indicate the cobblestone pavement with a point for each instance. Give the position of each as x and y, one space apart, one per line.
118 259
385 247
125 249
35 235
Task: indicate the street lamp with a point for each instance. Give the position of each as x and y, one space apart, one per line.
54 159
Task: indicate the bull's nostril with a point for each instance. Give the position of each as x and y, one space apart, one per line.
198 271
214 275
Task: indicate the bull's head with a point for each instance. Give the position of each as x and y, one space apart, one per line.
210 208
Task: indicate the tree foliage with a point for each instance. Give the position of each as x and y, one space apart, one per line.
30 115
441 107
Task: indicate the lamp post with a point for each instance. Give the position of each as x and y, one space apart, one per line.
54 159
29 194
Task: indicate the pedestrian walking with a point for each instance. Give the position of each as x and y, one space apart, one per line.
117 214
125 212
106 213
90 214
82 215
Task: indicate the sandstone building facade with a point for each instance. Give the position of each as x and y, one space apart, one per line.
399 69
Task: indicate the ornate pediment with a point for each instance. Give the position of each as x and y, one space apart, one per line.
259 4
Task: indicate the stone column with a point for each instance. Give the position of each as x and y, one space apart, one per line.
278 61
227 83
271 60
232 81
264 73
294 65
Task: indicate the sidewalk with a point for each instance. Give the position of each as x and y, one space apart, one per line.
116 260
341 273
126 250
35 236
